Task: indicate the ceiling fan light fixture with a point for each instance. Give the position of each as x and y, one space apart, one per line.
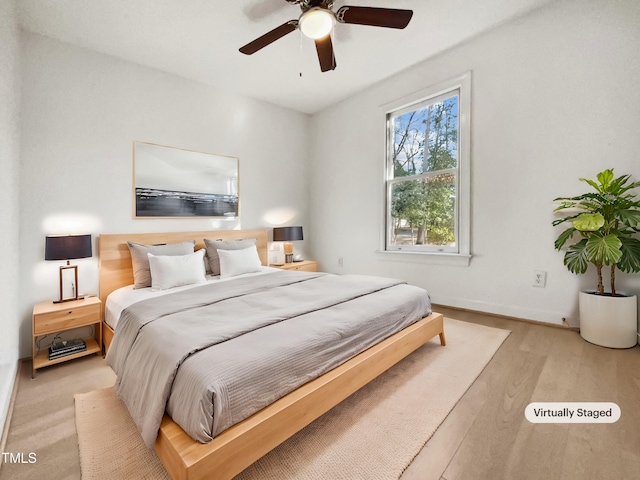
317 22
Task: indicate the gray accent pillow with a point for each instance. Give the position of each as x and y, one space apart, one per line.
214 245
140 260
207 265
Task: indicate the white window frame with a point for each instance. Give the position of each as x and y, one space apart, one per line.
461 254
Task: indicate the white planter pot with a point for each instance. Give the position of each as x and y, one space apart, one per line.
609 321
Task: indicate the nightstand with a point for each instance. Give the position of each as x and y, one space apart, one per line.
51 318
304 265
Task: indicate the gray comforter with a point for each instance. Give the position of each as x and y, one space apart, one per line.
215 354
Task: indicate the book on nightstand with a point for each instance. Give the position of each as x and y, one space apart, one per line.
67 347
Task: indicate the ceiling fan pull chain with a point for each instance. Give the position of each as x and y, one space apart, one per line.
300 54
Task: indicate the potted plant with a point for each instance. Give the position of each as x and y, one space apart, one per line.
605 223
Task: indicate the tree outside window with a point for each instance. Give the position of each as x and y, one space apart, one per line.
423 176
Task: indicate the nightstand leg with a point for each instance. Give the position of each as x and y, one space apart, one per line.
33 355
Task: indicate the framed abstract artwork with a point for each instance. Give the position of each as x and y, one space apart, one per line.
172 182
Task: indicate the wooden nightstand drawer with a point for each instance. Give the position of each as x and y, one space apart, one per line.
308 267
65 319
303 266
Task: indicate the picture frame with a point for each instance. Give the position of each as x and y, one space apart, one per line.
170 182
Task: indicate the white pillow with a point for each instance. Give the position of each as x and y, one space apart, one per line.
168 271
140 261
237 262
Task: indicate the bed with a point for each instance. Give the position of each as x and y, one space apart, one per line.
239 445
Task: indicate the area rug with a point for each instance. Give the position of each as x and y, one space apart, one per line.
374 434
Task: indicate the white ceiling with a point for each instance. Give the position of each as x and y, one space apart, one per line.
199 40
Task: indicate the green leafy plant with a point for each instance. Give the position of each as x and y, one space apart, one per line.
606 225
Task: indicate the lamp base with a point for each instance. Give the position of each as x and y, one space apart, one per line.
288 252
74 284
70 299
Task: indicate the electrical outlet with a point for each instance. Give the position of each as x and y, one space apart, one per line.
539 278
340 262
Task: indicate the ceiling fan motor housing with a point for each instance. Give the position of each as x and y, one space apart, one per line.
308 4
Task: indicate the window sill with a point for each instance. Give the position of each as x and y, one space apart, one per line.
431 258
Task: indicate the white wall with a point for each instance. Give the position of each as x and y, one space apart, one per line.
81 112
542 88
554 97
9 164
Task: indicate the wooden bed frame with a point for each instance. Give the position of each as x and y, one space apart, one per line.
242 444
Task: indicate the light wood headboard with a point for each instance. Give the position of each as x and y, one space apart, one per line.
115 260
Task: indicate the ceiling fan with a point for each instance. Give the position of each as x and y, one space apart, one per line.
317 21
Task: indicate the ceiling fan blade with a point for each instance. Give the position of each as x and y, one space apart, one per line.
376 17
327 59
269 37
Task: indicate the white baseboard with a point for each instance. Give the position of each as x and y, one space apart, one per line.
7 380
505 310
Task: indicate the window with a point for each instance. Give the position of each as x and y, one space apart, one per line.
427 172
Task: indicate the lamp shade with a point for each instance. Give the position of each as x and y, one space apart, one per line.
67 247
287 234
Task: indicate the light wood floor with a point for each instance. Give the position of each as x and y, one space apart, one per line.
486 436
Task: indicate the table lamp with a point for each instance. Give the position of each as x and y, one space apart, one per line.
287 235
67 247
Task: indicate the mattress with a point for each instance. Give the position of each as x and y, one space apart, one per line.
214 355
